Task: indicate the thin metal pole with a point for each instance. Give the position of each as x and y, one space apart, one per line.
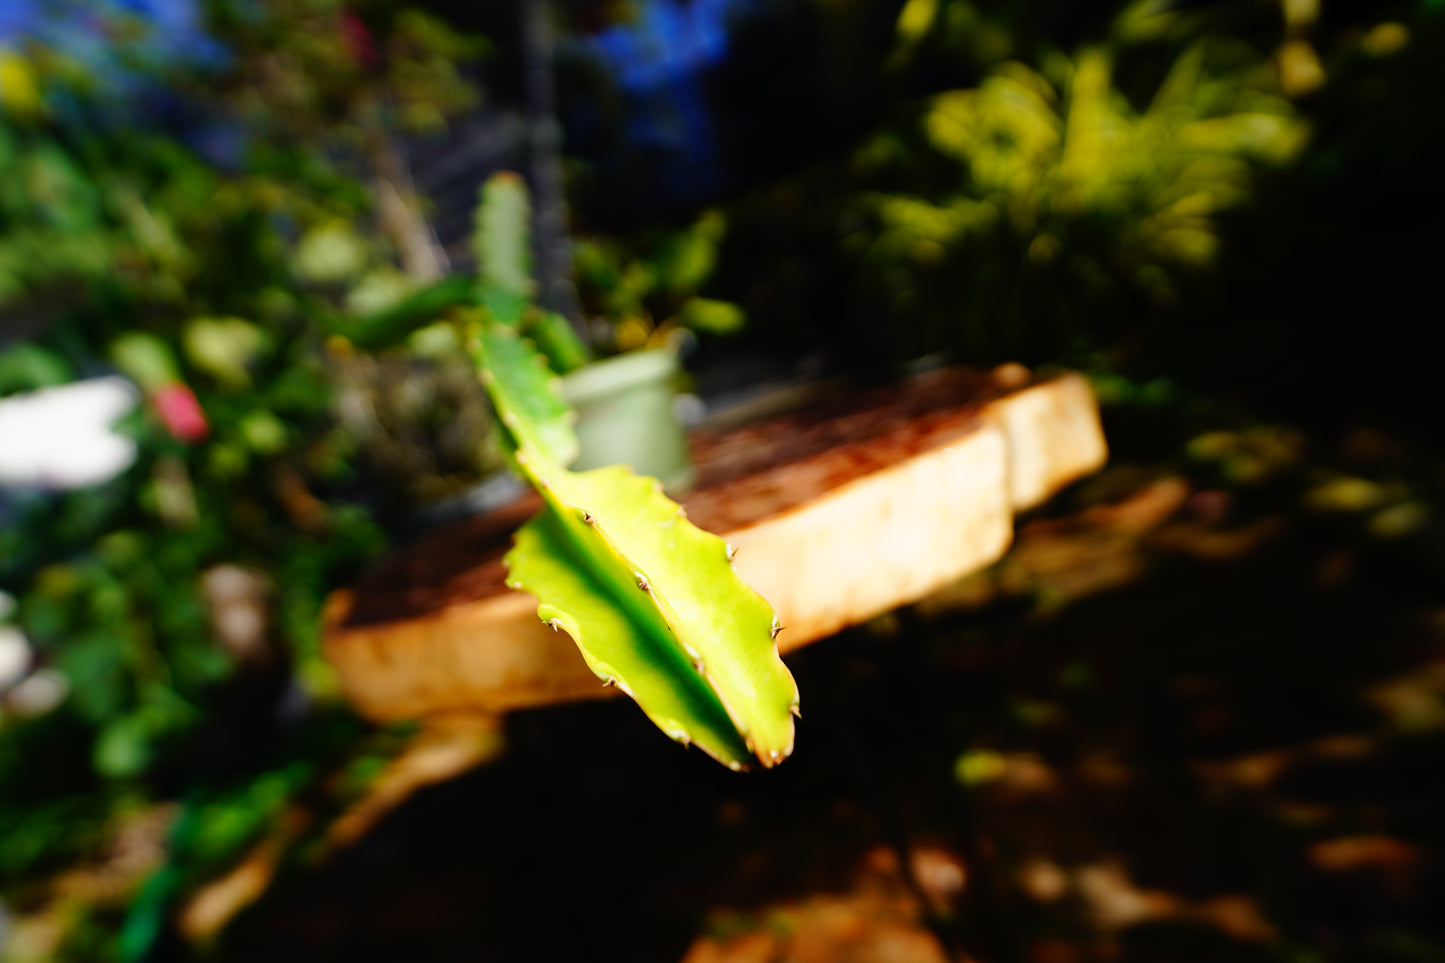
544 136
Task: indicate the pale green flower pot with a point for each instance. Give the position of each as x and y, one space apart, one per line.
625 415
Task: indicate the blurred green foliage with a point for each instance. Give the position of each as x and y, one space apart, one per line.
1063 196
649 285
1068 198
271 450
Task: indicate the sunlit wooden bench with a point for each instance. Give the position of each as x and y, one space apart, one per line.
839 511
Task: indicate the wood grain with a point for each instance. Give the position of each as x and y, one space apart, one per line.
840 512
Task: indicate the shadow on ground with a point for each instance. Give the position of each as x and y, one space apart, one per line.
1197 714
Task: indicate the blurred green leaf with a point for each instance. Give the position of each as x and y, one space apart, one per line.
263 432
713 317
525 392
331 252
421 307
554 336
145 359
123 749
224 348
25 367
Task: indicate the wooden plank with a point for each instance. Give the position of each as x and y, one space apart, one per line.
839 514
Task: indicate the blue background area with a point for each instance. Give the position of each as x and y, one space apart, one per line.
172 34
662 136
659 62
160 34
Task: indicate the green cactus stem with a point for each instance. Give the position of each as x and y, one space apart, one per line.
651 600
501 242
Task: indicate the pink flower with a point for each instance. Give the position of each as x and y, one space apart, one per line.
358 40
180 412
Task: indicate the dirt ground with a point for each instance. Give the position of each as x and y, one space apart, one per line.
1198 713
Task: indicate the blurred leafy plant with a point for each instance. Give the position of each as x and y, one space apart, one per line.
1065 187
268 441
650 287
1050 200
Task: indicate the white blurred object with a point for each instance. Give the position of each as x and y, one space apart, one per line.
37 695
14 656
237 599
690 410
60 438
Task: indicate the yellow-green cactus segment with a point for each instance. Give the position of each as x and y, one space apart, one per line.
501 241
658 562
652 601
525 392
621 645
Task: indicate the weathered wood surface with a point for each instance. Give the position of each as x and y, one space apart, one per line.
839 512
